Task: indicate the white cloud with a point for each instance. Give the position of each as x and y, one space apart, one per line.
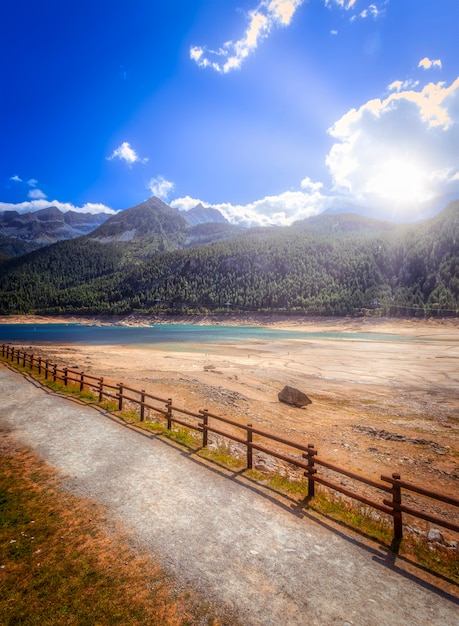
307 183
36 194
402 148
280 210
403 85
37 205
160 187
343 4
427 64
375 9
261 20
371 11
187 202
126 153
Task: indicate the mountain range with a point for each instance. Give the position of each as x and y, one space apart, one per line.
22 233
331 263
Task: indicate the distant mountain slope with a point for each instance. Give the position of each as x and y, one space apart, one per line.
345 224
149 222
11 246
44 227
207 233
203 215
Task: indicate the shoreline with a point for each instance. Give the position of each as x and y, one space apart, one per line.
408 326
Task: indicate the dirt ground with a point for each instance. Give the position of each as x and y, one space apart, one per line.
377 407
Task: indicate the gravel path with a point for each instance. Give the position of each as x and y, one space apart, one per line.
270 564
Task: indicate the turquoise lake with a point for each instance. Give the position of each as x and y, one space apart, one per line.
168 334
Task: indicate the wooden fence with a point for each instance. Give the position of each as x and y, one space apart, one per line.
303 457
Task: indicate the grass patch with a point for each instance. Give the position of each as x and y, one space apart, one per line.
155 427
223 455
278 482
364 519
184 437
129 416
70 389
435 558
57 566
109 405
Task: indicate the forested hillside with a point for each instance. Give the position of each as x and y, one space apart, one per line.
331 265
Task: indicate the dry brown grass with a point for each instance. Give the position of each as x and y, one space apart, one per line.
61 564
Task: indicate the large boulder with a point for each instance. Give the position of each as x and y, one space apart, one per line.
293 396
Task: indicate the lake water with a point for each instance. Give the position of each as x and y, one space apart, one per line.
171 334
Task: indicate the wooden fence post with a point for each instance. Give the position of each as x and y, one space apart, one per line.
120 396
101 389
54 372
310 454
249 447
169 414
31 362
142 405
23 359
81 382
205 423
396 502
46 369
39 365
65 376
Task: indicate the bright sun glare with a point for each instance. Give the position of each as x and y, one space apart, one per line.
400 181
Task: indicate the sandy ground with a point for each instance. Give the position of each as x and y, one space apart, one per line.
377 406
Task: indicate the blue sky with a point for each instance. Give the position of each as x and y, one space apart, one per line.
270 110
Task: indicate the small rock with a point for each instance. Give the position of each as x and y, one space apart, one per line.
436 536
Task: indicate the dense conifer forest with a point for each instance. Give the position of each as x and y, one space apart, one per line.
328 265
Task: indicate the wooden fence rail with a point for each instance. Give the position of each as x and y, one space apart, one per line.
302 457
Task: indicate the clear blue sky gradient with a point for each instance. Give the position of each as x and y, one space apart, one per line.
80 80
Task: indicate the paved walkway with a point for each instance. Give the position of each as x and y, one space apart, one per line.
269 564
